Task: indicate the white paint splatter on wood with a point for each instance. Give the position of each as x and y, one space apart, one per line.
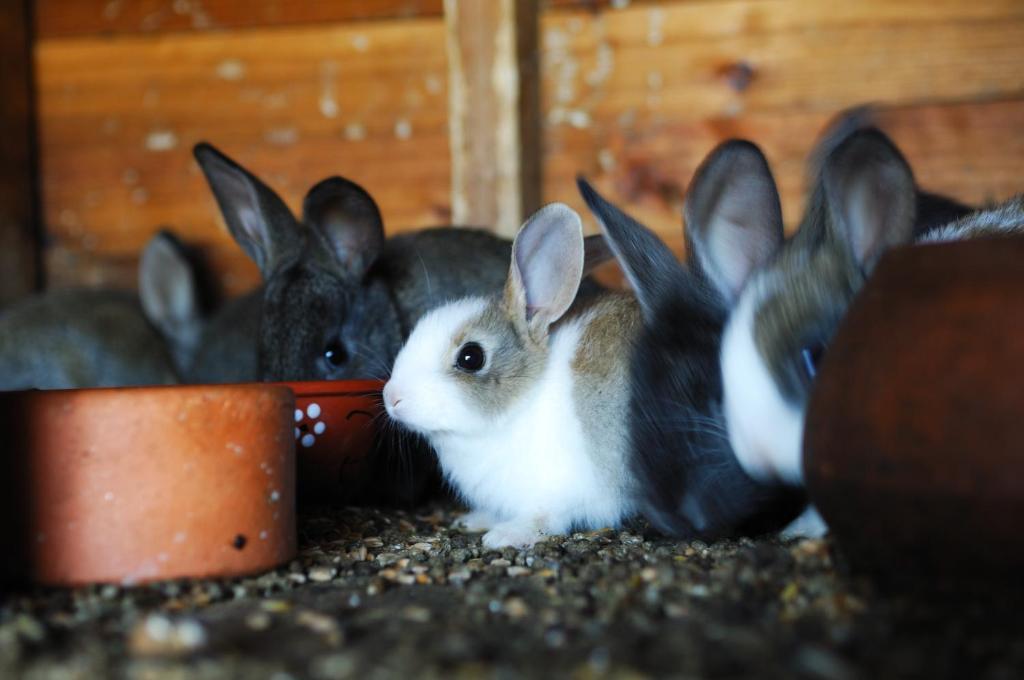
355 132
161 140
282 136
231 69
328 102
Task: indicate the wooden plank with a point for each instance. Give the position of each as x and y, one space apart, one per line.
61 18
971 150
119 116
636 102
66 18
18 250
633 97
493 111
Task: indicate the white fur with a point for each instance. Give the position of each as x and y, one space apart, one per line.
808 525
431 403
765 430
1007 218
526 472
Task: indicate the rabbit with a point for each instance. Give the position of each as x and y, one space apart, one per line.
83 338
864 202
338 299
690 483
207 348
523 394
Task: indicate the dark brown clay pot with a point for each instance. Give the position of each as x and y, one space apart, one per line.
334 427
914 444
136 484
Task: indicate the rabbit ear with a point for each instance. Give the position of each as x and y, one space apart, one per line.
547 265
256 217
347 219
733 216
650 266
168 289
870 194
596 252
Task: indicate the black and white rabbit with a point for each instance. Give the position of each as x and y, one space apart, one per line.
865 202
524 394
689 482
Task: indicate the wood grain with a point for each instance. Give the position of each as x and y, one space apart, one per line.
61 18
66 18
634 98
494 117
119 118
638 101
18 246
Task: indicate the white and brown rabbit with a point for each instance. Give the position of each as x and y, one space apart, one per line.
866 202
524 394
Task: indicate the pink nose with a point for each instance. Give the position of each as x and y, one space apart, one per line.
390 397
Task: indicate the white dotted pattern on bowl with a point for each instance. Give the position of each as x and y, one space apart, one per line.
312 412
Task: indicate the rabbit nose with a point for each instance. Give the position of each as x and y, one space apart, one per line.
390 397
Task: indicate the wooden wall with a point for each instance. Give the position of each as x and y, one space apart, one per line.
18 199
632 94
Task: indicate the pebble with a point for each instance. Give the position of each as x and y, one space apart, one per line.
322 574
159 635
434 602
258 620
460 576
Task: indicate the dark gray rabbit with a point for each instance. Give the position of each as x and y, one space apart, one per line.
690 482
865 201
83 338
338 298
208 347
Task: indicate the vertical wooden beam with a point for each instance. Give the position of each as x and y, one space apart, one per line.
18 251
494 111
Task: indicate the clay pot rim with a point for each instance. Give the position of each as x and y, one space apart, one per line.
303 387
308 388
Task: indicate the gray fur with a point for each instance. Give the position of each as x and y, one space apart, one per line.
1004 219
84 338
215 348
514 362
864 202
733 216
332 282
601 365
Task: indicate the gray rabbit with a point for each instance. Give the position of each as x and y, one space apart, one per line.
84 338
217 347
338 298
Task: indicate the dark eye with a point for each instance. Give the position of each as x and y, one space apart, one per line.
810 356
470 357
335 353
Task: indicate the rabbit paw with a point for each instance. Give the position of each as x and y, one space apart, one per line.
515 534
807 525
476 521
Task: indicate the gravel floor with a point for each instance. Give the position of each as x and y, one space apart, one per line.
379 594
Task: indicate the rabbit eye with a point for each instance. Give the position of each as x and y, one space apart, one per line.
335 353
810 356
470 357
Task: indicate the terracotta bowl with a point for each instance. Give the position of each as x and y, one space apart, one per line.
914 444
136 484
334 427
